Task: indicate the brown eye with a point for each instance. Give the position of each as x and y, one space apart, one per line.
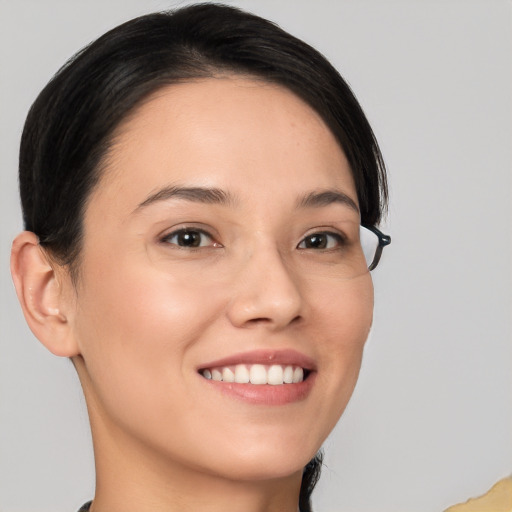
321 241
189 238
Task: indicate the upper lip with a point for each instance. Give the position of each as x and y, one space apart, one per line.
267 357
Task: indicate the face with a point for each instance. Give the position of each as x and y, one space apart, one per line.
221 240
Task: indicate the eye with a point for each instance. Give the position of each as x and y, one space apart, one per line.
188 238
322 240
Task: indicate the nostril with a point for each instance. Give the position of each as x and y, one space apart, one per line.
297 319
261 320
265 320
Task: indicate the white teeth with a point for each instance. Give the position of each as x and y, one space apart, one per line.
288 375
228 375
242 374
275 375
258 374
298 375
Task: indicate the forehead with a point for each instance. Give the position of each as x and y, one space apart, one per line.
232 133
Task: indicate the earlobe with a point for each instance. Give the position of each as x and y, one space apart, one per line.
44 293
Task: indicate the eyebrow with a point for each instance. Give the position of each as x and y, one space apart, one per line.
196 194
206 195
326 198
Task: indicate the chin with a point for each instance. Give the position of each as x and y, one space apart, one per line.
264 470
275 458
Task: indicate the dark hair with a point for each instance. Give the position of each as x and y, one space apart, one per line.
70 126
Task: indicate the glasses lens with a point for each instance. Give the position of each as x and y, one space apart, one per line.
369 243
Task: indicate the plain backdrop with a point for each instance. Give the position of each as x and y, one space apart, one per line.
430 423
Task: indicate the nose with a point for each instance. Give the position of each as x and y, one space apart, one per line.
266 292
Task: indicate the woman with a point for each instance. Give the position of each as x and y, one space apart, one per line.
200 194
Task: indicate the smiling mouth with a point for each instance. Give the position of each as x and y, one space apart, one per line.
258 374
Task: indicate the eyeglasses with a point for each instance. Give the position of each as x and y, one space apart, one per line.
356 255
373 242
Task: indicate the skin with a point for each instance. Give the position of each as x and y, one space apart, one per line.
146 313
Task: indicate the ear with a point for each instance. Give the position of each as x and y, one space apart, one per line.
46 295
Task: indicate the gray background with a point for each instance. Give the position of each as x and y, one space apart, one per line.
430 423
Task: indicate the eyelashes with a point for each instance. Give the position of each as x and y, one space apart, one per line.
323 240
194 239
190 238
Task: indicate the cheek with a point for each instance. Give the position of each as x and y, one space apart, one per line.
345 313
344 322
135 305
135 329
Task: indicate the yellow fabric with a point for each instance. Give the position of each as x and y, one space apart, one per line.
497 499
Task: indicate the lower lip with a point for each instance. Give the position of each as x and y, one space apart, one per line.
265 394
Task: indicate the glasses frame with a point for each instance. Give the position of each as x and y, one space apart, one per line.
383 241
